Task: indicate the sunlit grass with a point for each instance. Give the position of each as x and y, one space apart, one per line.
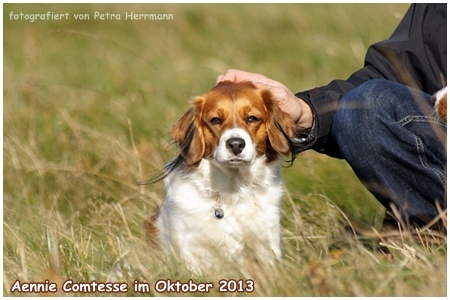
88 106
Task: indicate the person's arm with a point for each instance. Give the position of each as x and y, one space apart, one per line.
415 55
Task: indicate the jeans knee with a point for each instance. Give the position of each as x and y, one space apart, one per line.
357 119
369 110
370 96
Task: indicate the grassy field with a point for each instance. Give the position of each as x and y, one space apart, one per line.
88 105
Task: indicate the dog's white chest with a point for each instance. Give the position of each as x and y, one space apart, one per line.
188 224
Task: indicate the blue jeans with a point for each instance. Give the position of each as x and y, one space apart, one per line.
391 137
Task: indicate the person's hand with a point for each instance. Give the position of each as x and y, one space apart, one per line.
296 108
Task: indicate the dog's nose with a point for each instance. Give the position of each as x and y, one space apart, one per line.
236 145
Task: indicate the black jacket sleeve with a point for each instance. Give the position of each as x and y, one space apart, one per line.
415 55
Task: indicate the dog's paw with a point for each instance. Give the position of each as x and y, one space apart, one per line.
440 102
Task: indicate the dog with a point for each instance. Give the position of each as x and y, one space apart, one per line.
440 102
223 190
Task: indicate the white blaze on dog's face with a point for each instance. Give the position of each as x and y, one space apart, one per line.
232 124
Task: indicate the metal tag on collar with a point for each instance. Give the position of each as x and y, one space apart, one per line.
218 213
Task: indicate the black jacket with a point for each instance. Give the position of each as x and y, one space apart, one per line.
415 55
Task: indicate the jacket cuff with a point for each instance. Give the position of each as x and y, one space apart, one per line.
323 113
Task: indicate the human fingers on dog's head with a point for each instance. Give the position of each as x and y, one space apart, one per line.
237 76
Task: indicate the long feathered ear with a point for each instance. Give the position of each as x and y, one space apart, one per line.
187 133
281 128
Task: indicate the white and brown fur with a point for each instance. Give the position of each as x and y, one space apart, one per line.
440 102
230 142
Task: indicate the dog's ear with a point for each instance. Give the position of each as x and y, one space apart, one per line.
280 128
188 134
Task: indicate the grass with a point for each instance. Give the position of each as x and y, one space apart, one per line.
87 110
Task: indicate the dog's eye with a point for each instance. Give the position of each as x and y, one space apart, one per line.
215 121
252 119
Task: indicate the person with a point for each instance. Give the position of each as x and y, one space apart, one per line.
381 119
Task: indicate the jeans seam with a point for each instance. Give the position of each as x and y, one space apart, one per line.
423 161
408 119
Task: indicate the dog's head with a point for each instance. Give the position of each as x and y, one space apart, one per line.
232 124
